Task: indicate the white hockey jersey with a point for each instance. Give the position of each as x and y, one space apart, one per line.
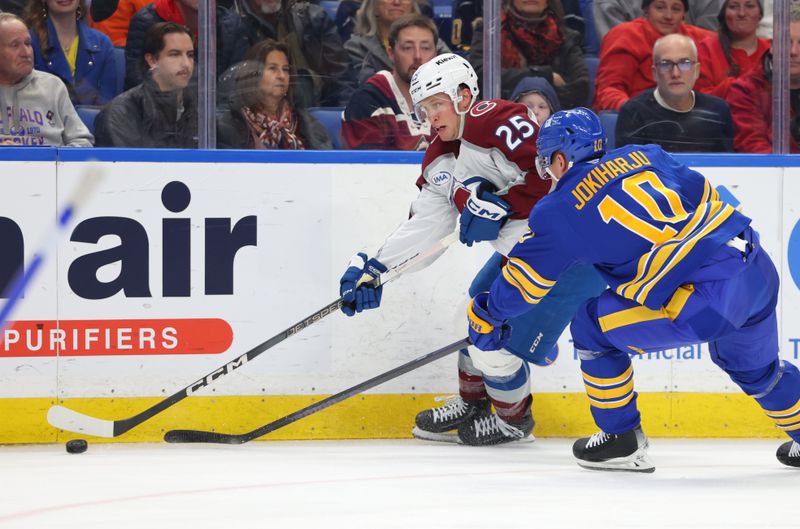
498 145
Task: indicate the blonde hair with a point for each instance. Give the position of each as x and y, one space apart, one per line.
367 22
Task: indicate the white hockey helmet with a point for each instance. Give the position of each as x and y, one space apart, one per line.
443 74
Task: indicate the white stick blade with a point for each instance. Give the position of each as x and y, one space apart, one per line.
72 421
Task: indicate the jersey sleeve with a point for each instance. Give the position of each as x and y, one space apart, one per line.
432 214
532 269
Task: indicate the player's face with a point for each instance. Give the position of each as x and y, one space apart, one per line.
275 81
794 54
676 70
414 47
172 68
439 111
538 105
16 53
530 7
665 15
57 7
387 11
552 169
742 17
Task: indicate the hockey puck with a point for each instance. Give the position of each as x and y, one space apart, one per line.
77 446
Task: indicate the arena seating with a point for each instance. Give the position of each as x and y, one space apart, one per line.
331 117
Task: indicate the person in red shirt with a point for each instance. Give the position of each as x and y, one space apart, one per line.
735 50
626 54
750 99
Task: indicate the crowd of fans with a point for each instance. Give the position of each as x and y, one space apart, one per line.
690 75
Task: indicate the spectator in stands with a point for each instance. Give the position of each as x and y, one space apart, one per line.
116 25
231 38
367 47
536 42
673 115
315 48
750 99
65 46
611 13
346 18
380 114
538 95
162 110
626 53
34 106
263 116
734 50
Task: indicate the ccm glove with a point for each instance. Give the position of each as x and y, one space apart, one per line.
486 332
360 296
483 216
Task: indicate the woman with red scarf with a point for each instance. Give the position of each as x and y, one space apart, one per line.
262 115
735 50
535 42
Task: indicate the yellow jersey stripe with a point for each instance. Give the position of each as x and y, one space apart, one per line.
628 317
606 394
634 315
531 273
611 405
790 428
645 261
788 420
514 283
792 410
532 288
608 381
685 248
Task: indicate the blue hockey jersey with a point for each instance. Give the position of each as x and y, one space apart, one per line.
641 218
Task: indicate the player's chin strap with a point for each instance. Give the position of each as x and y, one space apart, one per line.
462 115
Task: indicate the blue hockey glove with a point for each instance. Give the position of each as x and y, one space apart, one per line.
358 297
486 332
483 216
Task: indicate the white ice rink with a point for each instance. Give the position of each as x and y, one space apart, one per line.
392 484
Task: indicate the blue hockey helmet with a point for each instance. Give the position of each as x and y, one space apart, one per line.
577 133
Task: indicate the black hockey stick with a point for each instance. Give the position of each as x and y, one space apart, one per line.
73 421
199 436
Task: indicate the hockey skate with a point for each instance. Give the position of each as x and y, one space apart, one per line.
626 451
488 429
441 424
789 453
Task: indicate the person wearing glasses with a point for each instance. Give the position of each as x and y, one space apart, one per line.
625 54
673 114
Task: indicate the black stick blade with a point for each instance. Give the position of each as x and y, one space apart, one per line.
198 436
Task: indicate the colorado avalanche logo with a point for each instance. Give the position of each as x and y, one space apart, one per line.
482 108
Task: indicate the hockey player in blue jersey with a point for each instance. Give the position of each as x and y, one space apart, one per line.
682 267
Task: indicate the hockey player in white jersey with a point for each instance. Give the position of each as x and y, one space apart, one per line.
480 171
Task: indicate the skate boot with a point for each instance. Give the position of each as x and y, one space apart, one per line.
603 451
789 453
440 424
488 429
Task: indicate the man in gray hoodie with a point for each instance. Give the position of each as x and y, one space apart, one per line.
34 106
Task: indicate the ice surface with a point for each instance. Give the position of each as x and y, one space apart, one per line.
392 484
